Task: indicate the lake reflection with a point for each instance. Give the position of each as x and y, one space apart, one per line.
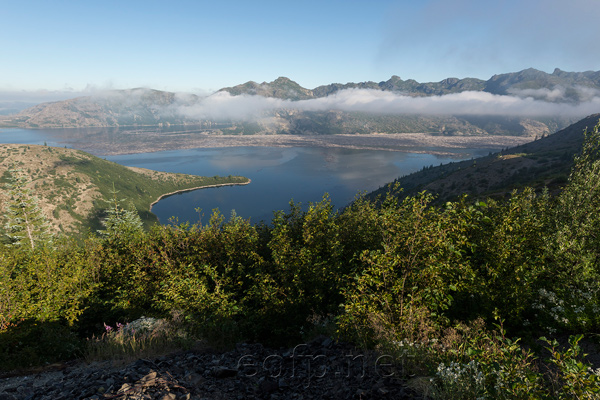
278 175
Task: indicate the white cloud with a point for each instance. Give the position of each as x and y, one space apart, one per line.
560 94
465 103
224 106
555 94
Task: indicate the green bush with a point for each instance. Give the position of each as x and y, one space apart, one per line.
412 278
424 282
45 283
31 343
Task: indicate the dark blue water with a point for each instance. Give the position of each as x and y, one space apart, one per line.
278 174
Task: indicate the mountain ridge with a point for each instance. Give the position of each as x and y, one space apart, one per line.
497 84
149 107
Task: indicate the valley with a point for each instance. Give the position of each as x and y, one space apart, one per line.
456 268
126 140
300 200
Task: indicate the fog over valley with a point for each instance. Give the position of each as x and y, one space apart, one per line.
222 105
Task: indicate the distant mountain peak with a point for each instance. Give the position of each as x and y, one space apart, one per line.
283 79
150 107
282 88
503 84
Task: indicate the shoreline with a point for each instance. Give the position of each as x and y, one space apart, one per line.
402 142
162 196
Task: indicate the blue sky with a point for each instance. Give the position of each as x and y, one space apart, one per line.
201 46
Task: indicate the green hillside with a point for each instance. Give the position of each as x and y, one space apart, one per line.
72 185
545 162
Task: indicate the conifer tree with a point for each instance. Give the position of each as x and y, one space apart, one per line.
26 223
120 221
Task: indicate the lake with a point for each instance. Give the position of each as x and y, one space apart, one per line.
278 174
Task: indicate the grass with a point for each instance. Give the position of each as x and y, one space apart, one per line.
142 338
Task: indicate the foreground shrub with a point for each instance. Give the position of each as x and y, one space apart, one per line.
507 258
572 378
468 361
460 381
45 283
575 242
413 277
30 343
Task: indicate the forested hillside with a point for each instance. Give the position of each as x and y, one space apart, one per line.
459 294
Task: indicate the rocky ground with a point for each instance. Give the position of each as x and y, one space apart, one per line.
321 369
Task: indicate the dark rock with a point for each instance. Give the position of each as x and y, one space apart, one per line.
224 372
268 386
320 369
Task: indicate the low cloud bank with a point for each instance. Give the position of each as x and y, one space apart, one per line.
222 105
555 102
12 101
465 103
559 93
43 96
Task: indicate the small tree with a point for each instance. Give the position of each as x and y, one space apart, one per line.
26 223
120 222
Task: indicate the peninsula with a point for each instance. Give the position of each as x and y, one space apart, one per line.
162 196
